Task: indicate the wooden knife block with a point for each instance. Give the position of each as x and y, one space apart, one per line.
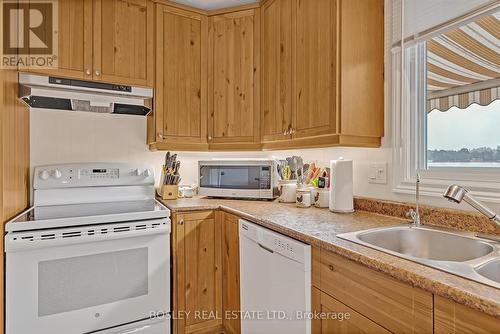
169 192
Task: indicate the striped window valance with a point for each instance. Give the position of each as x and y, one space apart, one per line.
463 65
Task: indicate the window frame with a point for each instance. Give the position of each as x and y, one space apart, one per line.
409 91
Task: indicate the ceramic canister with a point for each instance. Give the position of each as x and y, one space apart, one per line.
322 198
303 199
287 190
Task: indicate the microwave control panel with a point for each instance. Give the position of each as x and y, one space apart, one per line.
265 177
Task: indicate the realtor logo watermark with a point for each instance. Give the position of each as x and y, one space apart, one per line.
29 34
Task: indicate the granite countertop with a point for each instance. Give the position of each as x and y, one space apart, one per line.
319 227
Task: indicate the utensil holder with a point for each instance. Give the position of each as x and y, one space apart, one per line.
170 192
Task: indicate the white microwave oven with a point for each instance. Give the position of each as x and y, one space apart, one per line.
253 179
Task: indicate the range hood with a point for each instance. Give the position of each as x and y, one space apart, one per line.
47 92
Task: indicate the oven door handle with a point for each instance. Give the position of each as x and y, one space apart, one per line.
15 243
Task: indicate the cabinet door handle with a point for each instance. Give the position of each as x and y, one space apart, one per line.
180 222
97 73
160 136
209 137
88 72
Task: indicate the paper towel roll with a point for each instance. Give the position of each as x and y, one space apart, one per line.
341 195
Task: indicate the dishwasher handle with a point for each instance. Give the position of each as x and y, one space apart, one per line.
265 248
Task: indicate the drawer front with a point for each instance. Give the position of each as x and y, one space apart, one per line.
345 321
394 305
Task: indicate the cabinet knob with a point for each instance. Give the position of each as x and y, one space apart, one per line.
331 267
88 72
209 137
97 73
180 222
160 136
292 131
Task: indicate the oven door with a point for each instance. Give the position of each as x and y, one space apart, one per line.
79 280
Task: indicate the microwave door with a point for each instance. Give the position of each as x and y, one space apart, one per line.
240 177
85 283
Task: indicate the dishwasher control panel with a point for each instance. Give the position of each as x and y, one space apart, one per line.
277 243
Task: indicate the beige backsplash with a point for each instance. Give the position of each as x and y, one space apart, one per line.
430 215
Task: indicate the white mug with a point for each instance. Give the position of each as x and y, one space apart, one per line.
303 199
287 190
322 198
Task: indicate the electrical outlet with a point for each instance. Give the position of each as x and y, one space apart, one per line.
378 173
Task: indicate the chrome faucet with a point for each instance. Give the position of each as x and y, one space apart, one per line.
415 214
456 194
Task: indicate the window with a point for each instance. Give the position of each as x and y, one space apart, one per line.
446 93
468 137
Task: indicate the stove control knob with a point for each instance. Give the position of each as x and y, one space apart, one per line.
57 174
147 173
44 175
137 172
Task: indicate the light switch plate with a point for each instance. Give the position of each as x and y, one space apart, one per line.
378 173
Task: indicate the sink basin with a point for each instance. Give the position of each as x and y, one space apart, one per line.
427 244
490 270
459 253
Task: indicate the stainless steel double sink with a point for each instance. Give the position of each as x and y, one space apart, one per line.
459 253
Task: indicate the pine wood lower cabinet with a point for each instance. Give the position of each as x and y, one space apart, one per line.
453 318
197 274
337 318
347 297
230 273
394 305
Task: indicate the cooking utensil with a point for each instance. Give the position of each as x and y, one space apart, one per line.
287 172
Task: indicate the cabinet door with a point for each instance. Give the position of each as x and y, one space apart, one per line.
231 273
197 271
123 41
315 68
180 100
74 43
395 305
277 60
233 77
338 318
453 318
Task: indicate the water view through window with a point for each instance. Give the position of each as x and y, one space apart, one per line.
467 137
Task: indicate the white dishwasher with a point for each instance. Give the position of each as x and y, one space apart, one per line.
275 282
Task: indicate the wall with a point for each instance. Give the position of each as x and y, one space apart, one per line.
58 137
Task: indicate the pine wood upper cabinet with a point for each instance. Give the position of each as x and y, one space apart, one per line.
180 113
74 41
234 80
197 280
277 61
323 73
315 62
123 42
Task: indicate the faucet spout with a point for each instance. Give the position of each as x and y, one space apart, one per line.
457 194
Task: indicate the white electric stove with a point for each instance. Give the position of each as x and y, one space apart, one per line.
91 256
